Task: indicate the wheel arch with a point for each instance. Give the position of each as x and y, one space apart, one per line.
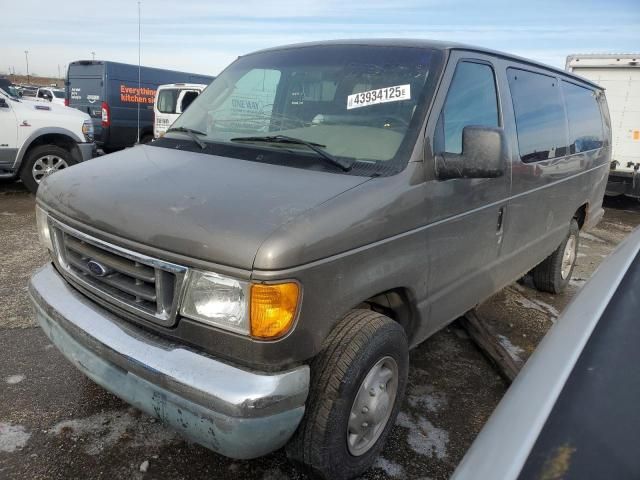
397 304
581 214
49 136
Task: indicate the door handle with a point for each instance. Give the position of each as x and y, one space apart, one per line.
500 221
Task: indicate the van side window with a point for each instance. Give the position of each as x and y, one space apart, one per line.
167 100
585 119
187 99
471 100
541 123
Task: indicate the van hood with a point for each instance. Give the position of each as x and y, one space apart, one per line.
203 206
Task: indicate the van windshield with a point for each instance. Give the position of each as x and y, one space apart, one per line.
58 93
361 103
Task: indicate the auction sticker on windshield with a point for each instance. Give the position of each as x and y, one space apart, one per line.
380 95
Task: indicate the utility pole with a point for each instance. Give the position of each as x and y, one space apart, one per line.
59 72
139 50
93 55
26 56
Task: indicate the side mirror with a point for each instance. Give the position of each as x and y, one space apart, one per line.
3 103
482 155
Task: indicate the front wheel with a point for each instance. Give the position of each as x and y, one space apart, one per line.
357 386
43 161
554 273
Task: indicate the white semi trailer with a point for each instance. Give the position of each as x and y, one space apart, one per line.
619 74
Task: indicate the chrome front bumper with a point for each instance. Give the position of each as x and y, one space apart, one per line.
235 412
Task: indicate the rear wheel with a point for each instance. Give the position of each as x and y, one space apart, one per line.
358 382
554 273
147 138
43 161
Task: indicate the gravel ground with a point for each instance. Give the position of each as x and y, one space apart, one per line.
55 423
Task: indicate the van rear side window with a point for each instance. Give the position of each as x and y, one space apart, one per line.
541 123
585 119
167 100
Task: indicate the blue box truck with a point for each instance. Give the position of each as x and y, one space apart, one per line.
109 93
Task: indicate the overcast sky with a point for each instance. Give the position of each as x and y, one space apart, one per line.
205 36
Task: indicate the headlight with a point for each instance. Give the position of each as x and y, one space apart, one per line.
263 310
42 223
87 130
217 300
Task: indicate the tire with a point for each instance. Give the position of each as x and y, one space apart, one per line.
363 345
554 273
34 167
147 138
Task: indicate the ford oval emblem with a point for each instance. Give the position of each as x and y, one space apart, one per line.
97 269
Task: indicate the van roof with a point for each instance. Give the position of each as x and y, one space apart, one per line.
432 44
181 85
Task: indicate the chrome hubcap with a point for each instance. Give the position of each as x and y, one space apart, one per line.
568 257
45 166
372 406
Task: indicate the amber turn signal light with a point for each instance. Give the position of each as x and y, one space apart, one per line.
273 308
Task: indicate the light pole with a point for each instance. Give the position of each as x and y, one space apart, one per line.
26 56
93 55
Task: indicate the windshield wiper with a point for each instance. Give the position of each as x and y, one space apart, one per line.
192 133
316 147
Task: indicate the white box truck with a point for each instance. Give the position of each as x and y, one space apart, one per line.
619 74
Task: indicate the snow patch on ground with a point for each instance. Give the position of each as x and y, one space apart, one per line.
423 437
526 303
534 303
12 437
513 350
390 468
619 226
553 311
577 282
593 238
13 379
274 474
104 430
425 397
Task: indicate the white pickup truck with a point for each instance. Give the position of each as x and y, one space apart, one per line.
51 94
38 139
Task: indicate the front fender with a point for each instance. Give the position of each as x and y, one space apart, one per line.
37 134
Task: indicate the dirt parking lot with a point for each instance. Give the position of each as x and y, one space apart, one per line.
55 423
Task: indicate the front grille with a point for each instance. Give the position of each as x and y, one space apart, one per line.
142 285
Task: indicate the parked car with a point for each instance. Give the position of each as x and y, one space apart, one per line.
37 140
28 91
53 95
555 421
9 88
619 74
171 100
109 93
256 277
